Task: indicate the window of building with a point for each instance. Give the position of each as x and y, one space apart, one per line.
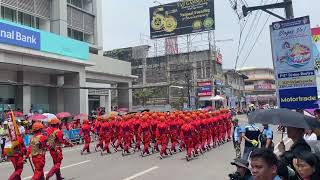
8 14
77 3
88 5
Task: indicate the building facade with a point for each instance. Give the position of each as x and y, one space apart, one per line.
260 88
51 58
234 88
172 78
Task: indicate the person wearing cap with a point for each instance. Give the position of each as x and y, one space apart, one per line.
55 142
136 123
237 137
243 172
37 150
127 134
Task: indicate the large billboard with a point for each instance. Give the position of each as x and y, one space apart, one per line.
316 53
183 17
294 63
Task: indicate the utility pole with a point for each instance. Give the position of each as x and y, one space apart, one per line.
286 5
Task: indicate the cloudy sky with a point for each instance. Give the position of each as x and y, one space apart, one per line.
125 23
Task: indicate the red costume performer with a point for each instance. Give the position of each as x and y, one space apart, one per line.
106 134
163 136
126 133
136 123
55 141
145 133
85 130
187 133
17 159
97 127
174 134
154 124
117 134
37 149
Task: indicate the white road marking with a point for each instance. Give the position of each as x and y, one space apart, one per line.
64 167
141 173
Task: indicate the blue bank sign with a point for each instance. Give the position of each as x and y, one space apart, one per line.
19 36
22 36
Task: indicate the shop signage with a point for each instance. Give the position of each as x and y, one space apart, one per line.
204 88
23 36
294 63
18 36
183 17
263 87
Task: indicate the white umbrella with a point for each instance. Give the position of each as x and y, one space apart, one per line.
217 98
49 116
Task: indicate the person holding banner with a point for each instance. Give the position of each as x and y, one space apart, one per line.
55 141
16 157
17 150
37 150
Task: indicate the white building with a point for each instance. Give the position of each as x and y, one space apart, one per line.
42 68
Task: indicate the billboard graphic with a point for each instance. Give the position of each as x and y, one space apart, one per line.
316 53
204 88
294 63
183 17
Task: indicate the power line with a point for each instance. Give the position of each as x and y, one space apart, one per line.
255 42
251 28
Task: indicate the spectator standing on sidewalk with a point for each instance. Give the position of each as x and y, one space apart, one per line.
266 137
251 136
264 164
237 137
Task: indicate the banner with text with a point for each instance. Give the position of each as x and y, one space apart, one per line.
316 53
294 63
183 17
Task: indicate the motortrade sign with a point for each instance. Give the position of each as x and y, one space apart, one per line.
294 63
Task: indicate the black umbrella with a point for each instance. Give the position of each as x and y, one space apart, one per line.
283 117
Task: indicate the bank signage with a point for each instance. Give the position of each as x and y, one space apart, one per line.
18 36
294 63
23 36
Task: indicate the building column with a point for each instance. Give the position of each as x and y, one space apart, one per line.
108 109
125 95
26 99
103 101
59 24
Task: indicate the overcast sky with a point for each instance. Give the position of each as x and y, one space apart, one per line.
125 20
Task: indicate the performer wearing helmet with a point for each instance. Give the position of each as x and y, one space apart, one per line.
37 150
55 141
136 123
127 134
187 133
85 130
105 134
117 135
173 128
163 136
145 134
153 125
97 127
19 150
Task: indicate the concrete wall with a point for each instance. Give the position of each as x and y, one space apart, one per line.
59 23
109 65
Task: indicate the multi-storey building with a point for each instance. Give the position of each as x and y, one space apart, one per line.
51 57
260 86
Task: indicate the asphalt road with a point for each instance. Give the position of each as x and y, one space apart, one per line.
214 164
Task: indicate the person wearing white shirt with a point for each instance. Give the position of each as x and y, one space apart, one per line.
310 135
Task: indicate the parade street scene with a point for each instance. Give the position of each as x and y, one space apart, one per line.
160 90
